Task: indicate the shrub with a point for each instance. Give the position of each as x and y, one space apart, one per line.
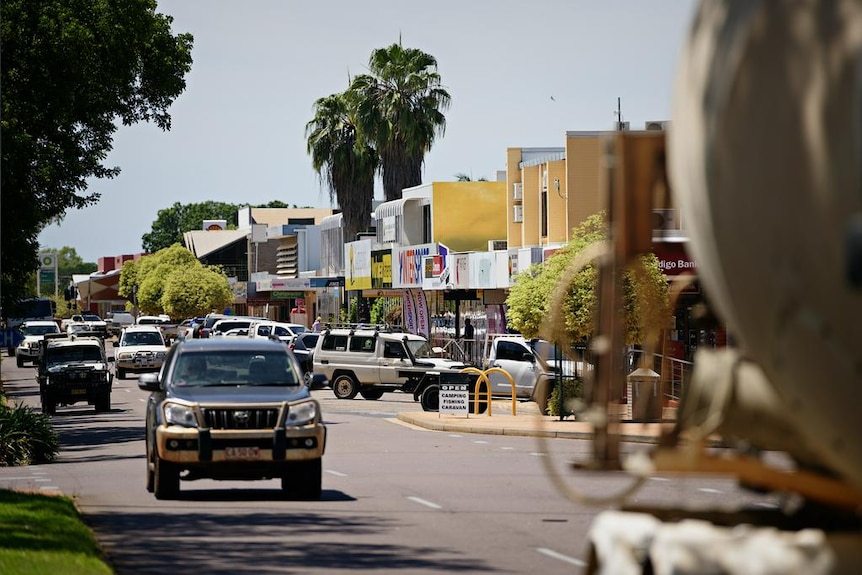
573 388
26 436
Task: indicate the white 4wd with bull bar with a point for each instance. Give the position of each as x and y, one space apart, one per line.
370 362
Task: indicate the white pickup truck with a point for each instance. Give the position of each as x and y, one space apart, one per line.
369 362
533 374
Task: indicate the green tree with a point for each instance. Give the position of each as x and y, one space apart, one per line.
343 160
71 73
174 282
645 293
171 223
191 291
400 110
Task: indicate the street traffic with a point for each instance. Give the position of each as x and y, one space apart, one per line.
395 498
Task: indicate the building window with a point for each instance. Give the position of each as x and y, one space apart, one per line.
426 224
543 212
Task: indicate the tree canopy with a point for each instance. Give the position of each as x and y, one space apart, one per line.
72 73
174 282
171 223
401 102
645 292
343 159
385 121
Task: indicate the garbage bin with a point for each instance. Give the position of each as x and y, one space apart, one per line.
644 396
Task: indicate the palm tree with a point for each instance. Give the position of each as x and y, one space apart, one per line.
343 160
401 104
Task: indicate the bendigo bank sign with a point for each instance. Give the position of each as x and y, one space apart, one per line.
673 258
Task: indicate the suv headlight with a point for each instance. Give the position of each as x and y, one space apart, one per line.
301 413
124 356
180 414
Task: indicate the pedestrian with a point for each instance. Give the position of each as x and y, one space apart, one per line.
317 325
468 339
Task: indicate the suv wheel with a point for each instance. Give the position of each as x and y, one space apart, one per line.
103 403
151 476
345 387
121 373
303 479
49 405
371 393
20 361
166 479
429 399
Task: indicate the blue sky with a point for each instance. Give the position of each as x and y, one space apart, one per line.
520 74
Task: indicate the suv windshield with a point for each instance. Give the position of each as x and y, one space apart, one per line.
77 353
233 368
420 348
143 338
40 329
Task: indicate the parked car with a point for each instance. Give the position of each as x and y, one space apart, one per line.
232 409
281 330
141 348
236 332
369 362
34 332
226 324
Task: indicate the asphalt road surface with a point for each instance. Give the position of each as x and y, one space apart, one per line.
396 499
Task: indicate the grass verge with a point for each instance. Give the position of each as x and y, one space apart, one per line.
45 535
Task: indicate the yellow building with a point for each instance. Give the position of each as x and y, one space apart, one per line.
463 216
550 191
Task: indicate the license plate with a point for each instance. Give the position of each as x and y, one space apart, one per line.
79 392
234 453
145 363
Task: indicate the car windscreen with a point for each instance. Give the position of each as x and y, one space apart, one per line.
40 329
73 354
420 348
143 338
234 368
90 317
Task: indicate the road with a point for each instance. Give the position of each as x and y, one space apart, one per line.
395 498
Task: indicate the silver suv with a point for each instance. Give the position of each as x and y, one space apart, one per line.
369 362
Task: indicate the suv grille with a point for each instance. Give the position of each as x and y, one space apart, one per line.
240 418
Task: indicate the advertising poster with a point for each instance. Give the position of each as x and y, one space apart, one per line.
420 305
357 265
408 312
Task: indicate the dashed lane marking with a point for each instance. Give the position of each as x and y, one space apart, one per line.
560 557
424 502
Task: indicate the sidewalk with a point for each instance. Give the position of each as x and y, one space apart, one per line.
526 422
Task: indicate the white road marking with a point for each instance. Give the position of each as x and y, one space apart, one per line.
41 479
659 479
538 454
709 490
507 448
455 435
480 441
424 502
14 478
559 556
49 488
336 473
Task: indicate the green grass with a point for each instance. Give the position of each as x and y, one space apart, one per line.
44 535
